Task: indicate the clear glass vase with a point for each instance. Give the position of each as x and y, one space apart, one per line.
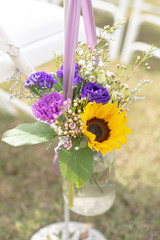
98 194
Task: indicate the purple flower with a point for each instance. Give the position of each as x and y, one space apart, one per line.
49 106
77 79
41 79
95 92
60 72
76 68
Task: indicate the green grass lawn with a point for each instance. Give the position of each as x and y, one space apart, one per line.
31 193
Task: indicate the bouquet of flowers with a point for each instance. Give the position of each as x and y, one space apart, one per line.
94 119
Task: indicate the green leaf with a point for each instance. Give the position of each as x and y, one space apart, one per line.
28 134
76 165
84 142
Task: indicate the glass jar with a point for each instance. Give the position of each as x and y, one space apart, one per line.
98 194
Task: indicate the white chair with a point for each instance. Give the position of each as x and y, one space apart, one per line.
141 12
118 9
30 31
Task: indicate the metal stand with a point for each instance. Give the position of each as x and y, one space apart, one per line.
68 231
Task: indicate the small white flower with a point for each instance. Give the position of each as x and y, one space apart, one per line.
72 125
107 86
92 79
89 67
70 111
102 71
100 64
146 81
81 62
126 86
80 52
75 104
87 72
109 74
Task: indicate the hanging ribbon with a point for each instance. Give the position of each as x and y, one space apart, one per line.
71 41
89 23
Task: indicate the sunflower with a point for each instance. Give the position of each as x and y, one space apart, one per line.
105 126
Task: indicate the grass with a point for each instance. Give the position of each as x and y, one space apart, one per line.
31 193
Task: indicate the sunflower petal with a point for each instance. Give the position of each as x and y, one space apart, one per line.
127 131
120 138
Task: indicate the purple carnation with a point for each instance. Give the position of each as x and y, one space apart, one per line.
41 79
95 92
49 106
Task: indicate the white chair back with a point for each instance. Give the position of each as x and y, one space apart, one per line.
118 9
30 32
141 12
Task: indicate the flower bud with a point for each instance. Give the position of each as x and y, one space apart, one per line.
75 104
81 62
114 97
100 64
70 111
101 78
92 79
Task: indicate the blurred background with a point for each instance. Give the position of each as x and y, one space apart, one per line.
30 192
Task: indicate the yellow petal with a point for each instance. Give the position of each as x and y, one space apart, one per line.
120 138
127 131
112 143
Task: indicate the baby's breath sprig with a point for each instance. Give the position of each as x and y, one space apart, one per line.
19 91
69 124
131 94
137 65
108 30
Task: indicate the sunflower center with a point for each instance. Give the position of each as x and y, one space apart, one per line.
100 128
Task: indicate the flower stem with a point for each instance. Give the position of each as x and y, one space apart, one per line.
70 194
95 181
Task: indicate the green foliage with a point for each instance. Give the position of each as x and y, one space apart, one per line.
28 134
84 142
59 85
76 165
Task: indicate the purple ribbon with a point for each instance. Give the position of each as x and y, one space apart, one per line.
71 40
89 23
